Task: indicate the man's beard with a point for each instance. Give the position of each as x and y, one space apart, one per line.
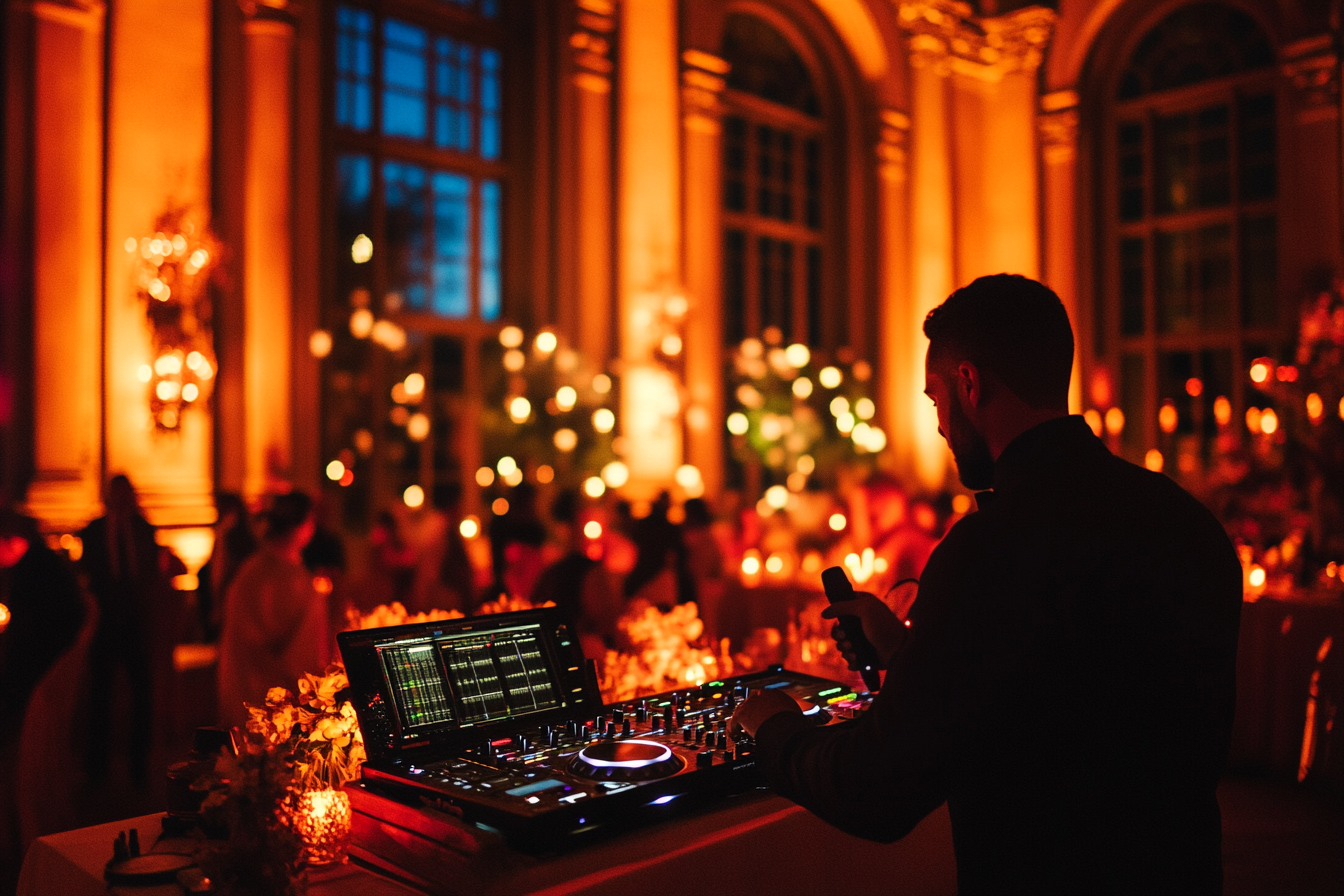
975 463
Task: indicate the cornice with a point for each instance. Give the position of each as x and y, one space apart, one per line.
947 36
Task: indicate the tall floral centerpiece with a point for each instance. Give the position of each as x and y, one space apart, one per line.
324 739
280 797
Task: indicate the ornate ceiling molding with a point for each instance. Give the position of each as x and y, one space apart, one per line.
283 12
946 35
892 144
702 85
1312 68
591 42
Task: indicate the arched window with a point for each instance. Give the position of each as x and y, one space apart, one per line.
1188 290
773 214
419 173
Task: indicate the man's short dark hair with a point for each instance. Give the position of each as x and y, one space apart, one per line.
1009 326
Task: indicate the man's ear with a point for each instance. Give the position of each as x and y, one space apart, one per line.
970 387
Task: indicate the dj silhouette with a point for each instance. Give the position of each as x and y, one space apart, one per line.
1066 683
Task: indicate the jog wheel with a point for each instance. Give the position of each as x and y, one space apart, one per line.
626 760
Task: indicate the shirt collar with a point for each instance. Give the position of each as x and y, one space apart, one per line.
1041 451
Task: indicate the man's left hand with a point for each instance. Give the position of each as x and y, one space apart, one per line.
752 712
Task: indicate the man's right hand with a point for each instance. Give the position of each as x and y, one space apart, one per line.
884 630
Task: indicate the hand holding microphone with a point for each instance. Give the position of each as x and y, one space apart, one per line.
866 631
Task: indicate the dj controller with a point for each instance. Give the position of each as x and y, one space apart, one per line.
498 720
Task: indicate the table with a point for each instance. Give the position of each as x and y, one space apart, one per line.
1283 645
752 843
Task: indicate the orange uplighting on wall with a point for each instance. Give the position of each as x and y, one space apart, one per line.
1115 421
1194 387
1261 370
1222 410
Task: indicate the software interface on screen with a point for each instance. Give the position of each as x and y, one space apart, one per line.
469 678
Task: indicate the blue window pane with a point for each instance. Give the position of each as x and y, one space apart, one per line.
490 103
354 68
405 205
405 79
354 178
452 244
489 251
453 63
354 216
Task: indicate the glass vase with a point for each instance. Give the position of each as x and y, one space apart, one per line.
321 819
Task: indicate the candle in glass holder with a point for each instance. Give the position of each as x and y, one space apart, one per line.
322 821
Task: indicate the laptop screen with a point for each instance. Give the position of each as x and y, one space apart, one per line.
433 681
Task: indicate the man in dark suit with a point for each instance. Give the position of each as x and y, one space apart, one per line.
1066 682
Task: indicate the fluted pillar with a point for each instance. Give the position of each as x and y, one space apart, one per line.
1058 126
268 36
156 163
702 82
648 239
896 340
591 42
975 196
932 249
67 135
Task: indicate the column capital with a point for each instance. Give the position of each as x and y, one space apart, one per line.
946 35
594 22
1312 68
270 12
86 14
1057 125
702 85
892 141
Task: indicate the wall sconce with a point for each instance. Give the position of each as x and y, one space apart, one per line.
172 269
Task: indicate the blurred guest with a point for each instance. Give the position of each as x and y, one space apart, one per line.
704 561
275 628
128 574
516 540
453 580
394 559
660 567
234 543
578 583
44 610
324 556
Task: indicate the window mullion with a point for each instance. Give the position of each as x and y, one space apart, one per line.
1233 173
1148 400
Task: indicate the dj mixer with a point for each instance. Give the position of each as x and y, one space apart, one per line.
499 719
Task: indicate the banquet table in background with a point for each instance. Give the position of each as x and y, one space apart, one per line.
1283 645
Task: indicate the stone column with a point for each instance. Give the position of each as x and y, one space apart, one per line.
896 342
156 162
268 35
932 248
1058 125
592 193
974 195
648 239
67 184
994 63
702 83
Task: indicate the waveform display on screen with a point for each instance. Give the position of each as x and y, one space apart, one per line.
470 678
499 674
417 685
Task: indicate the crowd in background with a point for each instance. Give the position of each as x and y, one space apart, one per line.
87 636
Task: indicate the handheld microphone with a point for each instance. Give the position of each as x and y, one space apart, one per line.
838 588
